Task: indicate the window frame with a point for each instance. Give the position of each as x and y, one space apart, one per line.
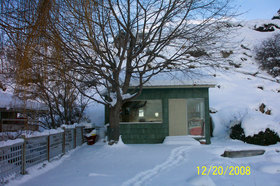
146 122
202 119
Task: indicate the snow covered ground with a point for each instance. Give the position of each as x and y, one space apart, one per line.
155 164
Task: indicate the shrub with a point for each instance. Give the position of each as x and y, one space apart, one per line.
226 54
268 137
268 55
267 28
277 16
237 132
198 53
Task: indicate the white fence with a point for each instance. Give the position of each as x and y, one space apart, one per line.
14 159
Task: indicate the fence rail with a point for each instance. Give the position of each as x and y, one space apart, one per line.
13 125
14 159
10 160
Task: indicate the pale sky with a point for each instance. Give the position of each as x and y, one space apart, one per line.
258 9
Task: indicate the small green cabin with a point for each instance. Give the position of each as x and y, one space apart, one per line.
167 109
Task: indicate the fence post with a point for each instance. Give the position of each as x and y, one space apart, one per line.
48 147
75 137
1 123
63 141
23 153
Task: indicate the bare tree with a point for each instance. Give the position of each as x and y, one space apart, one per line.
268 55
40 72
109 43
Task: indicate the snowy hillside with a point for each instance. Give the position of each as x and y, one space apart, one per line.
242 87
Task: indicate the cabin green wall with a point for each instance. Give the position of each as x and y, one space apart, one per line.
154 132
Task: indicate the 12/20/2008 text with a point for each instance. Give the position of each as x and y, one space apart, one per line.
221 171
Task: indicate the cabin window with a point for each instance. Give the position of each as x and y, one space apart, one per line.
142 111
196 116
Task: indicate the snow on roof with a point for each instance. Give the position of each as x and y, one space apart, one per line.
9 101
179 79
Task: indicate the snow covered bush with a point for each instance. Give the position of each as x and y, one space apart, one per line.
268 137
268 55
277 16
267 27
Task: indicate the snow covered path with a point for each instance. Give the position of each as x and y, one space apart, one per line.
155 165
178 155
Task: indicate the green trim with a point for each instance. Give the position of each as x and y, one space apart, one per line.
207 119
106 114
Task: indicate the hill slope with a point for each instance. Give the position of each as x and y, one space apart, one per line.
242 87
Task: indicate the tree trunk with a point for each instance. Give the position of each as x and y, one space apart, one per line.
114 120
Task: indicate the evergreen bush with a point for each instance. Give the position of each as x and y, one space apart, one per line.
268 137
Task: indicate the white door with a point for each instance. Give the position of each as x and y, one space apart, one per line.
177 117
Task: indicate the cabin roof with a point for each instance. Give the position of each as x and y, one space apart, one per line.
178 79
10 102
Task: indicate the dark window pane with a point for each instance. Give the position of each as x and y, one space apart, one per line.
142 111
